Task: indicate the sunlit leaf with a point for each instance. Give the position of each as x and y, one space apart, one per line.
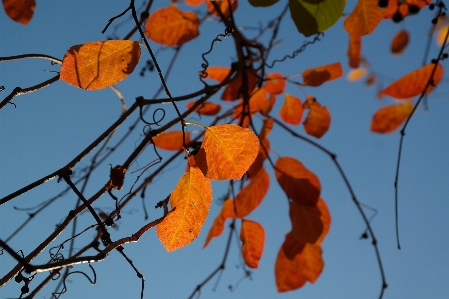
319 75
252 236
227 152
354 50
227 211
310 223
388 119
403 7
356 74
299 183
268 105
171 141
234 89
275 83
258 3
400 42
318 119
252 195
266 128
190 202
206 108
364 18
218 73
311 17
20 11
291 111
414 83
97 65
193 2
223 5
296 264
256 102
170 26
261 156
441 35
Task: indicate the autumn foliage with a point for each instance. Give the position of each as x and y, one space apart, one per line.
235 147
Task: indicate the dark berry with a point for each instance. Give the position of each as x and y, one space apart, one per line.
432 6
397 17
383 3
364 236
413 9
25 289
434 61
445 55
434 21
109 221
18 278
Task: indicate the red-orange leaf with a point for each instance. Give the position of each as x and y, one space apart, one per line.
190 202
296 264
266 128
364 18
400 42
227 211
252 236
97 65
193 2
171 141
223 5
310 223
319 75
291 111
227 152
388 119
172 27
233 90
20 11
275 83
298 182
261 156
206 108
268 105
256 102
218 73
354 50
250 197
318 119
414 83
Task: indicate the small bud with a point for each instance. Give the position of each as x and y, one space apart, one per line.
397 17
25 289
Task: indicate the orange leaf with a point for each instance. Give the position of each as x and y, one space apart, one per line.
206 108
317 76
266 128
233 90
261 156
318 119
190 202
355 50
20 11
227 211
310 223
97 65
275 83
171 141
414 83
291 111
193 2
252 236
223 5
268 105
364 18
218 73
227 152
256 102
172 27
250 197
388 119
298 182
296 264
400 42
356 74
441 35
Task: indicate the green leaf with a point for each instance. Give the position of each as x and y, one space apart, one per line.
258 3
314 16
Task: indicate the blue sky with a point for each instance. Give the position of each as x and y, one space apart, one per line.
49 127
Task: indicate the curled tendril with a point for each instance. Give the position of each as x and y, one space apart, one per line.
203 74
317 38
155 122
64 288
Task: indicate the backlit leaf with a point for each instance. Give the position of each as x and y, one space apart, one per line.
319 75
227 152
218 73
311 17
388 119
268 105
354 50
252 236
291 111
356 74
275 83
193 2
224 7
400 42
234 89
414 83
266 128
97 65
206 108
252 195
171 141
299 183
190 202
310 223
441 35
227 211
261 156
20 11
318 119
172 27
364 18
258 3
256 102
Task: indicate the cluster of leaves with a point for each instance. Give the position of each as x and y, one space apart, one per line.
232 151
